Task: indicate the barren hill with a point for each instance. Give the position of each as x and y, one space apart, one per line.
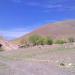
58 30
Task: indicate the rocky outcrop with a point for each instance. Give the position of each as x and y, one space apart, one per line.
7 45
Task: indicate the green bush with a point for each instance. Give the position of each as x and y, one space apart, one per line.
48 41
60 42
38 40
71 40
35 39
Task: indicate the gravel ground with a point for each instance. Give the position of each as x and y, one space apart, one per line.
38 61
34 68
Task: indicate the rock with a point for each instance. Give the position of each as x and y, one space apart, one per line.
6 45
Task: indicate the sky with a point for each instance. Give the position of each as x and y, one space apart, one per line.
19 17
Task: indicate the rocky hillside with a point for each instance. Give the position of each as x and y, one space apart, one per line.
7 45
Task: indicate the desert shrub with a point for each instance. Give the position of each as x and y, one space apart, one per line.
40 41
60 42
36 40
62 64
71 40
48 41
23 42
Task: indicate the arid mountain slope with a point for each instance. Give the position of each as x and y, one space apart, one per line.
58 30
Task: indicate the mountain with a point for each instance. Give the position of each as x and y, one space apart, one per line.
58 30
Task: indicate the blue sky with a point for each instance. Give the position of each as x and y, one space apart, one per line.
18 17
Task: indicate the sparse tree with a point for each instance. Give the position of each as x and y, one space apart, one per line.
38 40
71 39
48 41
60 42
35 39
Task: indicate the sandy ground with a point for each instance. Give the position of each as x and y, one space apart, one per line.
43 60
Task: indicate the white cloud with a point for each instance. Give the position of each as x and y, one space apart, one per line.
58 7
13 33
53 6
48 6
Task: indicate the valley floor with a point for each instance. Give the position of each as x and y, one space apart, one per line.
38 60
